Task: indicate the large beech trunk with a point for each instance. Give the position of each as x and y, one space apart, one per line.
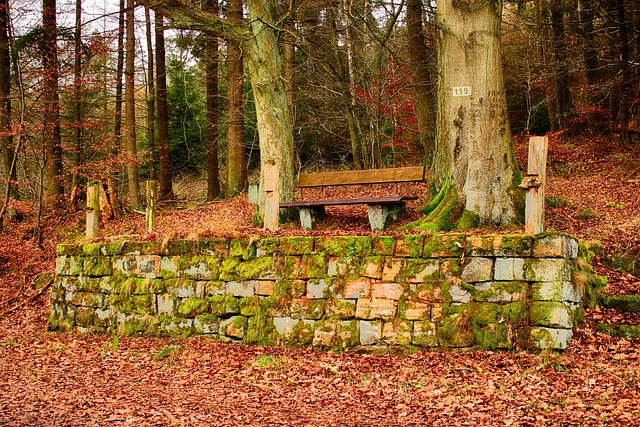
474 153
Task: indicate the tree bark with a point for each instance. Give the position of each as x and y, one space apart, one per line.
130 110
259 41
166 175
77 107
213 179
151 100
114 146
6 132
560 78
419 60
51 132
474 156
236 158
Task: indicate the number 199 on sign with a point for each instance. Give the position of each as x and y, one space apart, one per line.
462 91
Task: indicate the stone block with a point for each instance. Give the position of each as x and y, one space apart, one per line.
410 246
148 266
444 246
478 270
326 335
372 267
384 245
264 287
242 289
555 247
397 332
392 269
128 265
234 327
392 291
296 245
316 289
348 333
165 304
341 308
182 288
371 309
550 338
370 332
449 268
200 271
424 334
85 316
207 324
309 217
551 314
382 216
509 269
459 295
420 271
500 292
357 289
547 269
96 266
284 325
547 291
417 311
68 266
304 308
571 293
499 245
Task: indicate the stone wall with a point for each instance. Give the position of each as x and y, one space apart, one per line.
411 292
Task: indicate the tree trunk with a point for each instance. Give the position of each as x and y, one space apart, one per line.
474 164
236 158
213 179
626 71
166 175
560 78
114 148
151 100
589 57
272 110
6 132
51 132
77 107
419 60
130 110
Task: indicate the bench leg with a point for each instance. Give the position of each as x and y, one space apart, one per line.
310 216
382 216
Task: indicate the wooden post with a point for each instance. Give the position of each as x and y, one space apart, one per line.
152 197
534 183
272 196
93 210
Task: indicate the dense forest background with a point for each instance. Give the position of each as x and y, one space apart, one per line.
88 94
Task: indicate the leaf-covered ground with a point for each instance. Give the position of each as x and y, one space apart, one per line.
51 379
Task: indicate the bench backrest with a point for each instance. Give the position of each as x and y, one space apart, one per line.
371 176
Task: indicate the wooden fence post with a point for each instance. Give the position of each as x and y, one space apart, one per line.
534 183
152 198
93 210
272 196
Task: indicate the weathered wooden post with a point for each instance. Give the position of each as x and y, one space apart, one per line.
93 210
534 183
272 196
152 197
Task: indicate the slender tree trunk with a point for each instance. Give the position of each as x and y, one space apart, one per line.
77 107
236 158
6 132
422 80
51 132
166 175
114 146
589 56
213 179
130 110
151 100
474 154
561 86
626 70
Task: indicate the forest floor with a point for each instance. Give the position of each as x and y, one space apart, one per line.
49 379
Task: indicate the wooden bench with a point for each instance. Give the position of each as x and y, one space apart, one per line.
382 210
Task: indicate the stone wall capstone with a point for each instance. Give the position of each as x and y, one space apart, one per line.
401 292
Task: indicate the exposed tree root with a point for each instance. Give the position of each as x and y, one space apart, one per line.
444 212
